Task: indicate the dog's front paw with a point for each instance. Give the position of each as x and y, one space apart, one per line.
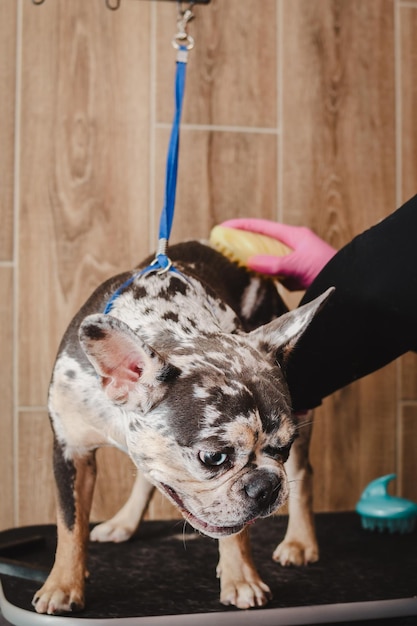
245 592
296 553
54 600
109 531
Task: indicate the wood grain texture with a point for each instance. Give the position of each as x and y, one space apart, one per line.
8 10
85 171
408 459
35 479
7 459
338 115
339 178
221 175
354 440
232 77
115 476
377 399
409 377
408 99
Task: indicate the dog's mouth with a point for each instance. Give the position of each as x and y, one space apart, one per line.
208 529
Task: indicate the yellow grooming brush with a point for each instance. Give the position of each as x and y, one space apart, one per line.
240 245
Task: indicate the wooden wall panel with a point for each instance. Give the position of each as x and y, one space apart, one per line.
354 440
7 139
409 377
407 470
8 10
407 97
85 170
377 401
338 93
35 479
339 178
115 476
232 67
221 175
332 440
7 460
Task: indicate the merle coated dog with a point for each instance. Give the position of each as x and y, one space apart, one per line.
186 375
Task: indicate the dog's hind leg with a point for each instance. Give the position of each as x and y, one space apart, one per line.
123 525
299 546
240 583
64 588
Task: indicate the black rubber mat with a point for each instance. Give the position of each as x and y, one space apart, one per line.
166 570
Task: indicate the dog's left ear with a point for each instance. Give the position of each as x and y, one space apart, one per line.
132 373
280 336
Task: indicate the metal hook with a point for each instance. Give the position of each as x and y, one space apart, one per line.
182 38
113 5
38 2
184 15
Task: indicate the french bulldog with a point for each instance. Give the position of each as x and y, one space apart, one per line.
186 374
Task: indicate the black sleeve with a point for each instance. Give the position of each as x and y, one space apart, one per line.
370 320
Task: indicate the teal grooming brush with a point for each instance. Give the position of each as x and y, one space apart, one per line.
381 511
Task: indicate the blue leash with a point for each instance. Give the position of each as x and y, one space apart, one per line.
161 262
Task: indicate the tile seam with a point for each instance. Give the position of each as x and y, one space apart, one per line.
221 128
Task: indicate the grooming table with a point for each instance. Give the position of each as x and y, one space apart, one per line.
166 575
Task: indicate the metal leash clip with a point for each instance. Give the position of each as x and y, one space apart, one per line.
161 259
182 39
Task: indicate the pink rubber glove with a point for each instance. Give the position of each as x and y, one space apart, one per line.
300 267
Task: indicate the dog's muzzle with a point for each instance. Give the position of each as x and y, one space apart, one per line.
259 495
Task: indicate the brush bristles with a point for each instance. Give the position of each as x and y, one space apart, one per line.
239 245
402 525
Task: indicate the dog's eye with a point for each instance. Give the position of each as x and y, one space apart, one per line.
213 459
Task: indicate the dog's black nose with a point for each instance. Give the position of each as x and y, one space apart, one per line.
263 488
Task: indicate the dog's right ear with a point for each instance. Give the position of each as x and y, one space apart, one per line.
129 369
278 338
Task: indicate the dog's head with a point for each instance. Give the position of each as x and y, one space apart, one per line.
208 420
